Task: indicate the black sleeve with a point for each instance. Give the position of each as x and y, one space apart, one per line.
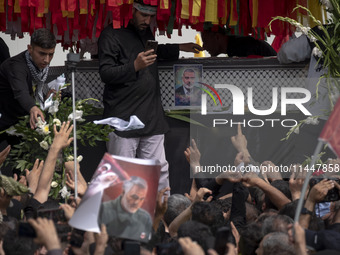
209 183
168 51
4 51
238 206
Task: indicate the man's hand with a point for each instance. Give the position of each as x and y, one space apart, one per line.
4 154
190 47
251 179
201 193
268 171
241 158
319 191
101 240
193 156
34 113
61 138
68 210
162 202
189 247
239 141
46 233
144 59
82 185
295 186
34 175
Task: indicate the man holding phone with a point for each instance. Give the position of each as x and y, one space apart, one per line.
132 87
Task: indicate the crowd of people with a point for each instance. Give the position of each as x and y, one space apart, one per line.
256 217
235 213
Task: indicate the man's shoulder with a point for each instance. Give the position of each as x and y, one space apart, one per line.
16 63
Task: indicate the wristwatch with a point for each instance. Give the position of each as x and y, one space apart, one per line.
306 211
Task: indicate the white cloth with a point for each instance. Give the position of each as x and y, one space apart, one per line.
122 125
297 50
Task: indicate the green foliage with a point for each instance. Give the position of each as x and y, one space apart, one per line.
36 142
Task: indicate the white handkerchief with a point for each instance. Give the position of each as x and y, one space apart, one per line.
58 83
122 125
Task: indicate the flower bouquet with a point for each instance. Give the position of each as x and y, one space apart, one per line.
35 143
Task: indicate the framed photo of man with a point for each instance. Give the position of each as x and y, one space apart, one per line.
187 87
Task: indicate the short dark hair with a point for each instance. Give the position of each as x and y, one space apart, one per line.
43 38
177 203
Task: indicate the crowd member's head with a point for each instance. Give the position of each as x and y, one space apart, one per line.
251 212
134 193
250 239
275 243
198 232
188 78
223 205
177 203
42 47
208 214
276 223
142 15
17 245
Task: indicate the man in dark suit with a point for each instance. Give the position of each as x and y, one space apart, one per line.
188 94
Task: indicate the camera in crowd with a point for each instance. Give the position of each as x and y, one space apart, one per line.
333 194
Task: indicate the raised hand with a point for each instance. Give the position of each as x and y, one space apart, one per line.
144 59
34 175
193 156
61 138
4 153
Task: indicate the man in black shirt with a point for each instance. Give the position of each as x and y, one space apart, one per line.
22 79
217 42
132 86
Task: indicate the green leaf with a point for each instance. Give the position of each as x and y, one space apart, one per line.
186 119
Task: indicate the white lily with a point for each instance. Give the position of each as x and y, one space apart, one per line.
44 145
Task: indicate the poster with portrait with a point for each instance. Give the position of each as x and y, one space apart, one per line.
122 195
187 87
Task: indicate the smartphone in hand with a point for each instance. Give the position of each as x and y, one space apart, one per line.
151 44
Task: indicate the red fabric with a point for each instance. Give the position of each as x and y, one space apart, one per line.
71 5
99 25
221 8
202 13
9 12
331 131
278 41
2 21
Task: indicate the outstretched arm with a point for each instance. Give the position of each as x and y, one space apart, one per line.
61 140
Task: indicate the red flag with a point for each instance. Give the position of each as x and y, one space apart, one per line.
331 131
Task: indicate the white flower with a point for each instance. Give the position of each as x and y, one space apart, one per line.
64 192
54 108
40 123
57 122
311 120
328 4
305 30
312 38
44 145
13 131
317 52
78 116
54 184
70 158
45 130
79 158
296 130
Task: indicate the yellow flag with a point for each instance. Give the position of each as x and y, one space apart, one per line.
199 42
